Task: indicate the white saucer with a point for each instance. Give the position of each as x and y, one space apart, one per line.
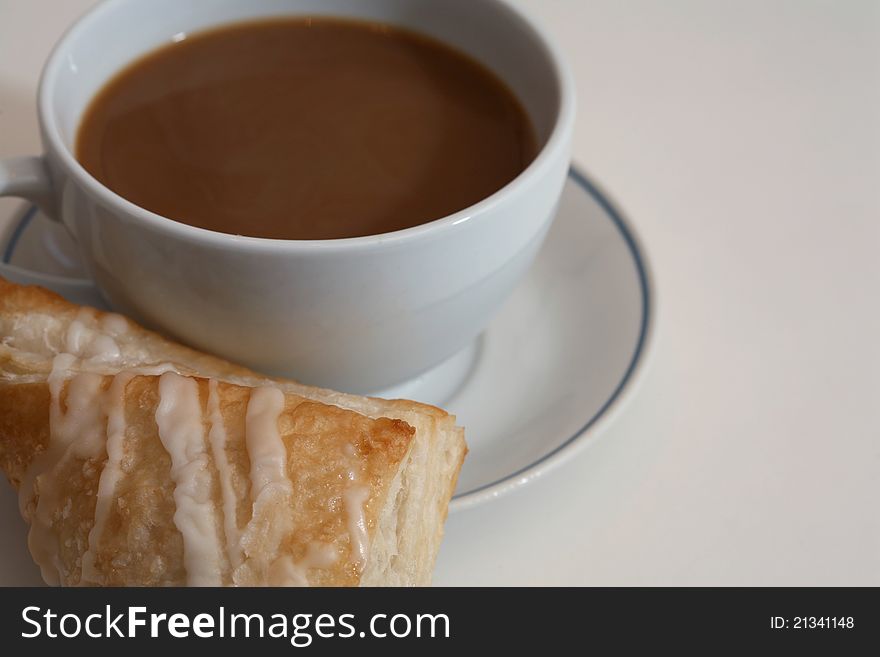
547 374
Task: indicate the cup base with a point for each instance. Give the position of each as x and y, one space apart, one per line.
438 385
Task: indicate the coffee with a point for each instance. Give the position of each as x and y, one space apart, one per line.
305 129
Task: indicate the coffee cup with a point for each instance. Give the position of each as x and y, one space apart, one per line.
358 314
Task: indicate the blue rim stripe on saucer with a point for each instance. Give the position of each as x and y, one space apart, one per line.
17 233
584 183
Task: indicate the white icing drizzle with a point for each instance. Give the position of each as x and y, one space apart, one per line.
179 419
114 406
286 572
56 379
265 448
271 488
77 333
218 438
83 339
115 324
353 500
77 432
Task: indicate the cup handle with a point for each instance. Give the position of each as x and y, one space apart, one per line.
28 177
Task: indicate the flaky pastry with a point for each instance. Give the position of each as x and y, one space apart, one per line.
141 462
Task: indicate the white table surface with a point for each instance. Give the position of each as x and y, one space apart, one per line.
743 139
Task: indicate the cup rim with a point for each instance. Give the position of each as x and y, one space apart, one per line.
557 141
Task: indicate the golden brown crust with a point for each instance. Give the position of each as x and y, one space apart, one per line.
24 426
141 545
325 434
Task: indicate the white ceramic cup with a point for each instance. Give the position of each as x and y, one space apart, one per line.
357 314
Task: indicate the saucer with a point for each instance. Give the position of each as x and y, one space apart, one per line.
539 384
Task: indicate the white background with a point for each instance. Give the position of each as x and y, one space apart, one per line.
743 140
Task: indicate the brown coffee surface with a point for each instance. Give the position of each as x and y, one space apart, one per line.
305 129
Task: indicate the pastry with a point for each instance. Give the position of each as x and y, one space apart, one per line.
141 462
